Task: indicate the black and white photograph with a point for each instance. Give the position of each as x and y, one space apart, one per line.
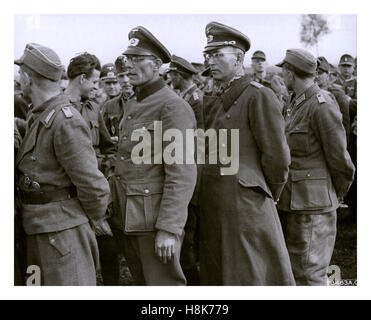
186 149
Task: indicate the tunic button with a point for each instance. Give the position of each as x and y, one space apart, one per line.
125 137
52 240
308 175
223 145
129 117
146 191
122 158
228 116
33 158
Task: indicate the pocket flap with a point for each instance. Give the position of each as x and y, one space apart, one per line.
300 129
144 189
309 174
148 125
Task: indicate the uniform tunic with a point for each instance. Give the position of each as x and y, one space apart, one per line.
321 171
57 153
152 197
241 236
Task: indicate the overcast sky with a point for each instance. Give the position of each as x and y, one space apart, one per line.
183 35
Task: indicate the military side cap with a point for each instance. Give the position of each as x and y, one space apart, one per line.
108 72
181 65
258 55
220 35
346 59
301 59
322 64
42 60
143 42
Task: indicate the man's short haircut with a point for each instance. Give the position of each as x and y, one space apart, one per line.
84 63
299 73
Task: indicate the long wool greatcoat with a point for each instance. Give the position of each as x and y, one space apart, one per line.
241 236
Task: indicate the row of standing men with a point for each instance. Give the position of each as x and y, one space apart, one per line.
234 234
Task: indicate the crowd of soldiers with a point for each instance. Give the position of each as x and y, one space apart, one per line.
81 200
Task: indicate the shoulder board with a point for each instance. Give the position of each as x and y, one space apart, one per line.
48 119
256 84
195 95
67 111
321 98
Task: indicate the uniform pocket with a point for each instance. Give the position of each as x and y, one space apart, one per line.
142 206
60 242
310 190
298 140
253 186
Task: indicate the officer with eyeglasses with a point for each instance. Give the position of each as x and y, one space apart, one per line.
241 236
150 200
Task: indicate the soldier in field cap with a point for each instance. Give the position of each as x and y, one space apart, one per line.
60 186
108 78
334 90
150 198
348 80
321 170
181 72
242 232
113 109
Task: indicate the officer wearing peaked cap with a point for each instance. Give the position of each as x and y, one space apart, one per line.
321 171
232 248
150 196
59 182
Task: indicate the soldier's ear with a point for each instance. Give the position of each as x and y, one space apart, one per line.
82 78
157 64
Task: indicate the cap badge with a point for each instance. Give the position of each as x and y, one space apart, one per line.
110 74
230 42
110 68
345 59
134 41
210 38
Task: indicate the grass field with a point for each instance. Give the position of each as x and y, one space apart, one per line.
345 252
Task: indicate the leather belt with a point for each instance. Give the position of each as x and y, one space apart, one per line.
43 197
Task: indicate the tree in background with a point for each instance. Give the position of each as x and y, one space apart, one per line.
313 26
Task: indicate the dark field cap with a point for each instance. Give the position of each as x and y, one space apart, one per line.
322 64
301 59
346 59
181 65
198 66
42 60
108 73
220 35
143 42
120 64
258 55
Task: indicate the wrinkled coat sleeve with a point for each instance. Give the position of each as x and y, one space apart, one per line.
327 123
268 128
75 153
180 179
